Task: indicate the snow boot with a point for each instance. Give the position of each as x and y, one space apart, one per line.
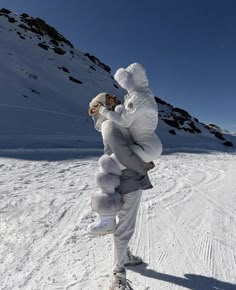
119 281
103 226
132 260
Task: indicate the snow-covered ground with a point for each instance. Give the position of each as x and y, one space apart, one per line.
186 228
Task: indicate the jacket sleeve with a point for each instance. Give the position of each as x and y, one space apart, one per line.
113 137
107 148
127 116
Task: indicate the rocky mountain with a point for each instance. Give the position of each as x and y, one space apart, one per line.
47 84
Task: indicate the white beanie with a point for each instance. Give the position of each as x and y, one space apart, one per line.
100 98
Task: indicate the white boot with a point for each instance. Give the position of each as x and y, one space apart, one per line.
119 281
103 226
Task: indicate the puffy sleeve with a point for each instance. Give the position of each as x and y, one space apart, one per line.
117 144
124 118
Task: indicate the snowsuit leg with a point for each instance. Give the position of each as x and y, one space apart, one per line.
107 201
125 227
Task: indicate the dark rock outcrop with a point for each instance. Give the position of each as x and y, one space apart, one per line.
228 143
172 123
59 51
182 112
172 132
95 60
5 11
43 45
64 69
39 26
75 80
219 135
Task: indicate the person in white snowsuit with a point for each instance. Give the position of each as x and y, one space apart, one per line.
139 113
120 192
108 179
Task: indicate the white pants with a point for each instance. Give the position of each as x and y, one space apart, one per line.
125 227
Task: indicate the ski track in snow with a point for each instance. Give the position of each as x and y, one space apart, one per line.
186 228
40 110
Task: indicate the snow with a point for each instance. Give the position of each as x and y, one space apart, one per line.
186 227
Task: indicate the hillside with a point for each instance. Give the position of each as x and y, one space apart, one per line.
47 84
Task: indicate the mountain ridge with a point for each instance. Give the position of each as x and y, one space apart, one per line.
53 83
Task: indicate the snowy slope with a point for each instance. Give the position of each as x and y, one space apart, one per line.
47 84
179 129
186 227
38 100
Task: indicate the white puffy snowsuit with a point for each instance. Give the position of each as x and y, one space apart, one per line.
139 113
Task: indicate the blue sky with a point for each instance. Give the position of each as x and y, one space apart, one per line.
187 46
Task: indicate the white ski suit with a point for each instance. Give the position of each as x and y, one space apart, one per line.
139 113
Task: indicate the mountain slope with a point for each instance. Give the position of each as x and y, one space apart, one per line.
47 84
44 93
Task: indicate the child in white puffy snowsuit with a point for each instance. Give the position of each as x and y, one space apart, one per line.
139 113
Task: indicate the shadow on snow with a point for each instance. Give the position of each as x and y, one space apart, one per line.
189 281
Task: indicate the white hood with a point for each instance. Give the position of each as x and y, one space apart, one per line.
132 78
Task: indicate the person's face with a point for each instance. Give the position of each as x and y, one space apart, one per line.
112 101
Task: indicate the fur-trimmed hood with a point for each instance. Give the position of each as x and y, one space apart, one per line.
132 78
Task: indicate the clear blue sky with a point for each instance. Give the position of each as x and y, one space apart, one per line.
187 46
